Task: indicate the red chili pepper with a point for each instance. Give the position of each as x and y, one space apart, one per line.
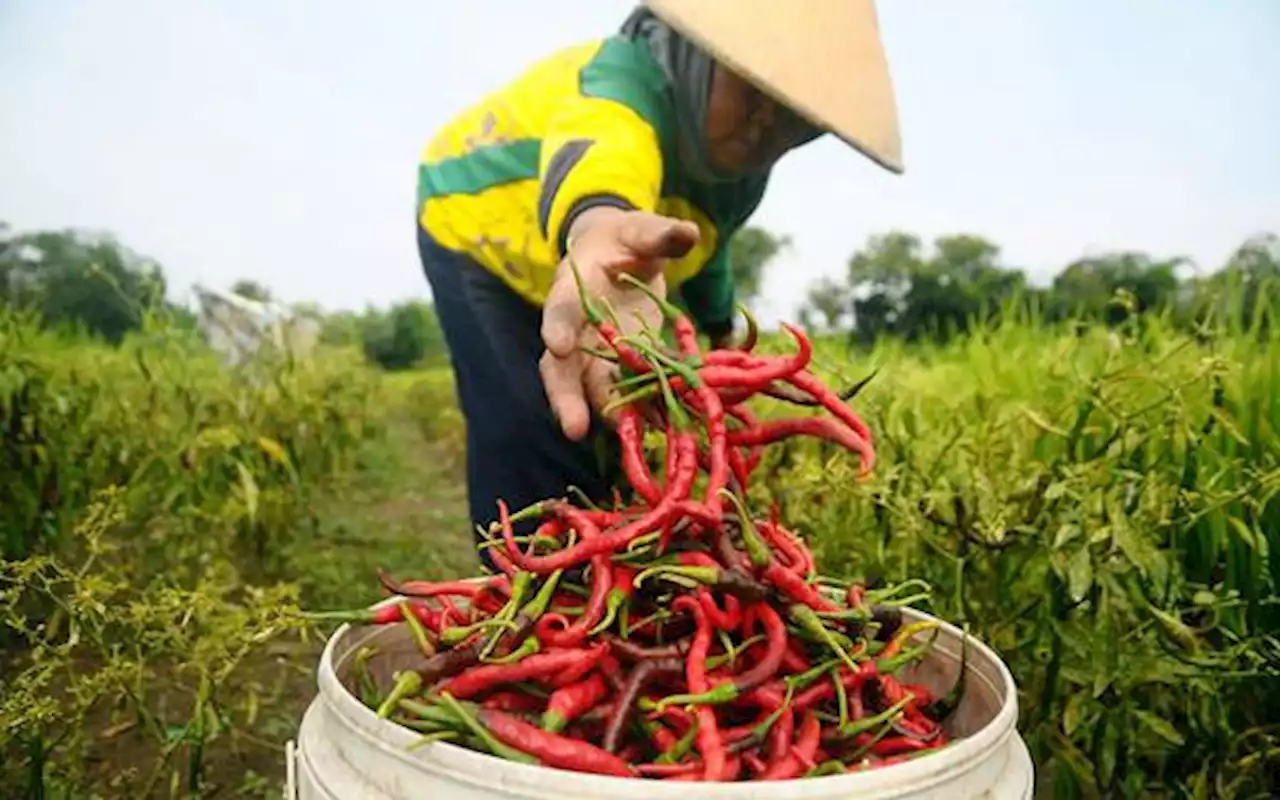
852 681
733 767
382 615
569 702
775 430
678 717
488 602
893 745
633 464
893 691
755 763
635 684
799 559
500 560
727 620
807 741
768 370
717 438
552 749
672 460
733 358
518 702
739 467
539 665
627 355
686 334
451 613
924 697
708 739
601 584
462 588
575 673
607 543
794 660
660 735
794 587
668 770
780 735
743 682
808 382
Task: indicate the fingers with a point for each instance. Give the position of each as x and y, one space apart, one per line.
562 380
600 377
647 240
656 236
635 242
562 318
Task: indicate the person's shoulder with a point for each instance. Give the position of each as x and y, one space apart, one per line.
621 58
623 70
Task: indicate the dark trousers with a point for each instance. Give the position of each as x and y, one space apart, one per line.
515 448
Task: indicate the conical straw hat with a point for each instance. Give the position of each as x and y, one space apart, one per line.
823 58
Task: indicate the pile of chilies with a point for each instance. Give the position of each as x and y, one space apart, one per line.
675 637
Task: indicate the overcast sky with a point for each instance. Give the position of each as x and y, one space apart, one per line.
278 140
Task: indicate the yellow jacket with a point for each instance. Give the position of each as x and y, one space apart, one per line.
591 124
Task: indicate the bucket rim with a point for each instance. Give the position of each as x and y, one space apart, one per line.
484 770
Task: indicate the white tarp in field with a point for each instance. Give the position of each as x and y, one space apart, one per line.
237 327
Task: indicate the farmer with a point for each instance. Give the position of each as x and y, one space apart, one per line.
642 152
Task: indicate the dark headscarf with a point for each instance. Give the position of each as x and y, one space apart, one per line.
688 69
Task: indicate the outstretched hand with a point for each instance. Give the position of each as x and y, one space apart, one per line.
605 244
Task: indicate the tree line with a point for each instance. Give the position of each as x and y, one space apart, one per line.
89 282
892 286
896 286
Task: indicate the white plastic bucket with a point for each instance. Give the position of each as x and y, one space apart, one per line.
344 752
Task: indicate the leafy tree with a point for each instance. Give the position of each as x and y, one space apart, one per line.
828 299
897 288
879 278
80 279
404 337
750 251
1247 288
1088 287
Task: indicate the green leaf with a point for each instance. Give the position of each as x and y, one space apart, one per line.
1106 650
1175 631
1079 574
1074 713
1065 534
249 488
1139 551
1107 750
274 450
1161 727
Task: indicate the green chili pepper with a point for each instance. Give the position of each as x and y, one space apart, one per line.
407 684
364 678
456 634
851 729
811 623
757 550
526 648
682 746
416 629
